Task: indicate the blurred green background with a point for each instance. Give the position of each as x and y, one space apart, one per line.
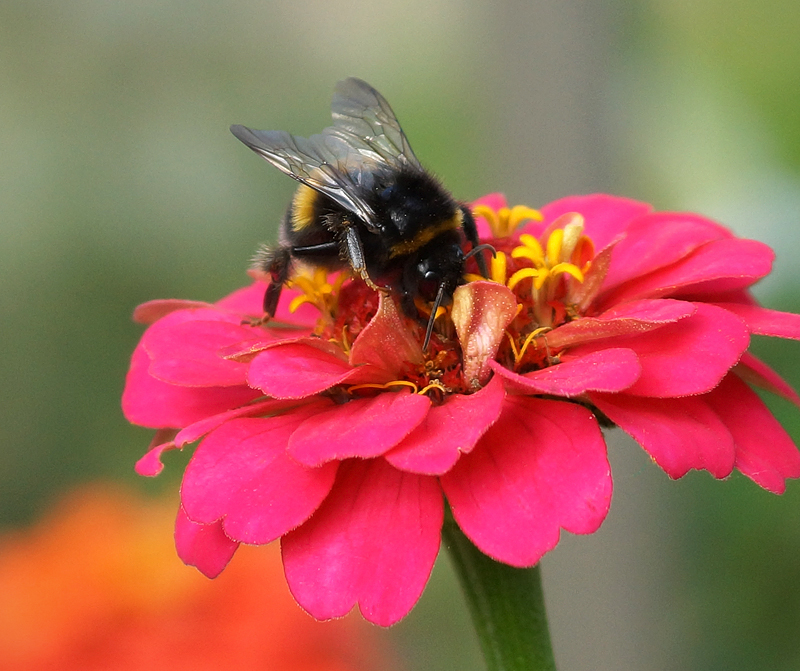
120 183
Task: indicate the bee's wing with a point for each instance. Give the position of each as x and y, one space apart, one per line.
327 164
364 120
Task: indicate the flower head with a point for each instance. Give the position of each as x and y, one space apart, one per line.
335 432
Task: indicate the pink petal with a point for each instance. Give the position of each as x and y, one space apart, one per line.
756 372
481 312
612 369
152 311
762 321
241 474
689 357
302 368
540 468
249 301
679 433
372 543
187 353
764 451
203 545
657 240
606 216
364 427
449 430
630 318
150 402
193 432
386 342
150 464
718 266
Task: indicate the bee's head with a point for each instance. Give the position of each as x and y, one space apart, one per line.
438 267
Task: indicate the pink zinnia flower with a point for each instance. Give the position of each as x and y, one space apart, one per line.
332 430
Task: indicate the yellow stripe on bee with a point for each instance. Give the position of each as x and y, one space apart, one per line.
303 207
427 234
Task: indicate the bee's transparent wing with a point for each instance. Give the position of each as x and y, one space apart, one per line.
326 163
366 123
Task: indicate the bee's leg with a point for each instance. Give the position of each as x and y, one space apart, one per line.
276 263
355 254
471 231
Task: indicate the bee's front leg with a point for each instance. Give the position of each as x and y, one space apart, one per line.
354 251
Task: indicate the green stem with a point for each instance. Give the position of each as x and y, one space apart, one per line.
507 606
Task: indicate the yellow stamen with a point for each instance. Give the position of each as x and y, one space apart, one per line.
513 346
569 268
530 249
388 385
528 340
435 384
554 246
520 213
498 268
523 273
505 221
297 301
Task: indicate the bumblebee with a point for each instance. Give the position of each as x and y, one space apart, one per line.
365 202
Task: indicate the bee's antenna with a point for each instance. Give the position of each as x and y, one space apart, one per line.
481 263
436 303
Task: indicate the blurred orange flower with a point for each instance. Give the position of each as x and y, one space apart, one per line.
97 585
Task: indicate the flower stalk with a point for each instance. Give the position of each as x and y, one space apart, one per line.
506 604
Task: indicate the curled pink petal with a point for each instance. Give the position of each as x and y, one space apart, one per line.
150 464
372 543
764 451
481 312
448 431
541 468
242 475
679 433
612 369
386 341
204 546
365 427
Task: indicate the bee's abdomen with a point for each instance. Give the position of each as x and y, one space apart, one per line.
305 208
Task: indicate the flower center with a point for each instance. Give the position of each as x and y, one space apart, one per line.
544 274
